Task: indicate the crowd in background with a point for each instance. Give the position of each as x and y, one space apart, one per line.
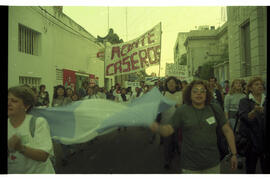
237 100
63 96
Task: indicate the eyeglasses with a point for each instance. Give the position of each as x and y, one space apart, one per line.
197 90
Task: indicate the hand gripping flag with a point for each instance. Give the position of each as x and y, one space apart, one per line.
82 121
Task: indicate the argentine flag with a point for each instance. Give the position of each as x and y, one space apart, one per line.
82 121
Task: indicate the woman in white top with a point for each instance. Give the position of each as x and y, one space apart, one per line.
60 97
90 93
139 92
102 93
27 154
231 105
43 96
124 97
231 101
69 92
173 93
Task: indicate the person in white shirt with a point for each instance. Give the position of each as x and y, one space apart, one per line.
98 92
101 93
129 92
117 92
90 93
27 154
231 101
124 97
139 92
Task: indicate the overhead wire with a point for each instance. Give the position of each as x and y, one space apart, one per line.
78 34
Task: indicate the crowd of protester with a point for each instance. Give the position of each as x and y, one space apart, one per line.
239 109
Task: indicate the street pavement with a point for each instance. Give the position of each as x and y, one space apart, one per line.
125 152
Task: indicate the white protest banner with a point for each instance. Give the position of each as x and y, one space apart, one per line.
176 70
134 55
133 85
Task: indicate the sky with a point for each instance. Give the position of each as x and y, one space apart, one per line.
175 15
131 22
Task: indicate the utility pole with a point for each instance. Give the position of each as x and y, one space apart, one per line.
105 45
108 9
126 26
127 37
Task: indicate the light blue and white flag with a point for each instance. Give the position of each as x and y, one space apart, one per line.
82 121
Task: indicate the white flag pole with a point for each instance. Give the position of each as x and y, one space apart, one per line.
160 50
105 45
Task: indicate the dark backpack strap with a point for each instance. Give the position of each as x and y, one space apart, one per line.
32 126
236 122
214 111
221 139
163 93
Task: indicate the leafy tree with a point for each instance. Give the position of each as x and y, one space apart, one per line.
207 70
183 59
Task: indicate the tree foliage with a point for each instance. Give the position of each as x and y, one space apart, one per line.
206 70
183 59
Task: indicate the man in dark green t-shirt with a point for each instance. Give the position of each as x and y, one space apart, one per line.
196 119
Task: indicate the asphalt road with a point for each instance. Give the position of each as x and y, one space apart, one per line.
125 152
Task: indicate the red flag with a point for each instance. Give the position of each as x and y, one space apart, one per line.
69 79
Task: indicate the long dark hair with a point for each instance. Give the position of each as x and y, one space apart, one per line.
55 95
139 92
41 86
124 98
176 82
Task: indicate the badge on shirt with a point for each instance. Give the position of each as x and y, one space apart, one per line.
211 120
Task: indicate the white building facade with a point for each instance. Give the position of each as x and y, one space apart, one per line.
43 42
206 45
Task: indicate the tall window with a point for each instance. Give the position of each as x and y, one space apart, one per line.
245 43
28 40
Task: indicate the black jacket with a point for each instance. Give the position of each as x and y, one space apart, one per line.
219 98
254 129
